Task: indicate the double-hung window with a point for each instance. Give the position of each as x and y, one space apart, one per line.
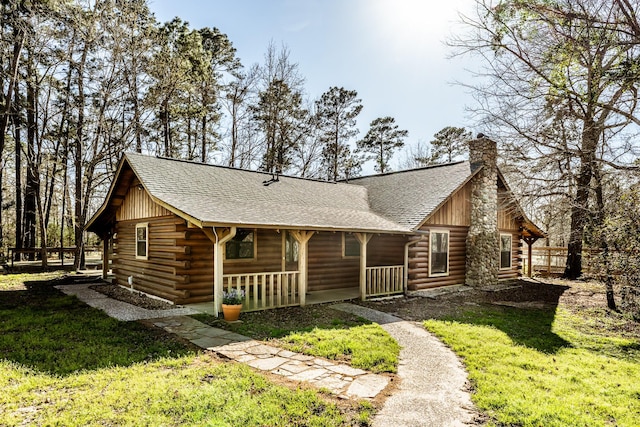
142 240
505 250
438 253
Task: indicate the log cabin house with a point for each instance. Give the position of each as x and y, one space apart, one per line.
186 231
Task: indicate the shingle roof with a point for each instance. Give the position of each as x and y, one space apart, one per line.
396 202
408 197
214 194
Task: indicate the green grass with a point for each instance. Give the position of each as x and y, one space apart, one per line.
320 331
367 346
189 391
17 281
65 363
55 333
547 368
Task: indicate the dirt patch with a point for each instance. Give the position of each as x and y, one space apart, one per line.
132 297
579 297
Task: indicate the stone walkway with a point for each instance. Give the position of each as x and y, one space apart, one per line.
433 380
342 380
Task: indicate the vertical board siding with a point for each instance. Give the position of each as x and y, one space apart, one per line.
137 204
507 213
327 268
456 211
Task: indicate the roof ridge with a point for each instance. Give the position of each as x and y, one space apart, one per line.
439 165
194 162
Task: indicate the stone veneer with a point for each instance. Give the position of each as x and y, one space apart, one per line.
483 240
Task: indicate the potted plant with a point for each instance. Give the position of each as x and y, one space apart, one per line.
232 304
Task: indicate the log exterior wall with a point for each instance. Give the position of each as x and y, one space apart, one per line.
163 273
419 259
455 216
328 269
384 250
180 259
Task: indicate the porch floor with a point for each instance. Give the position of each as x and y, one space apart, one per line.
317 297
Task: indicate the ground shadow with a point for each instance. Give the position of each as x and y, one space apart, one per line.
44 329
525 312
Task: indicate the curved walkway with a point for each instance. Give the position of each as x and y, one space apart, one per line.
432 390
431 393
342 380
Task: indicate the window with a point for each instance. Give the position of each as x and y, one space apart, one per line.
505 250
142 240
350 245
290 248
439 253
242 246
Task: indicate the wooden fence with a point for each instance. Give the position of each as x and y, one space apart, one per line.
551 260
387 280
265 290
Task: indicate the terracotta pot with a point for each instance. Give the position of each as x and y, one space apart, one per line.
231 312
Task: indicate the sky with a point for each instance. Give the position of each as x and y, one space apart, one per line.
392 52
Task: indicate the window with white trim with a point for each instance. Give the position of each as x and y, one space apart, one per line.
505 250
142 240
350 246
439 253
242 246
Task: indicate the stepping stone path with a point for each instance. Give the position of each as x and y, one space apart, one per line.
342 380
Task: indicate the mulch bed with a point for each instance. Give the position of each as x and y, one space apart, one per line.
132 297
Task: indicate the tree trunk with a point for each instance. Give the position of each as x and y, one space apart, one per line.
234 133
164 118
17 122
136 106
604 245
204 138
32 190
580 207
78 262
12 72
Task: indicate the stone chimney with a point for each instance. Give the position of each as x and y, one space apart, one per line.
483 240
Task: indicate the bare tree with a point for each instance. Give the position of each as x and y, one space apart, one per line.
561 80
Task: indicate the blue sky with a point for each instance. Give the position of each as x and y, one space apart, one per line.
391 51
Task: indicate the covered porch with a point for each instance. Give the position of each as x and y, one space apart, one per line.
327 266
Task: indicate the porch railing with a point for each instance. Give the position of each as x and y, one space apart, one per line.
265 290
386 280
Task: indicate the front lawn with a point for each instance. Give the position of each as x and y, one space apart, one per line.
566 367
367 347
65 363
318 330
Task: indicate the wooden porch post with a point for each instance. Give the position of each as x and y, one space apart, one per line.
529 241
363 238
219 237
302 237
105 255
